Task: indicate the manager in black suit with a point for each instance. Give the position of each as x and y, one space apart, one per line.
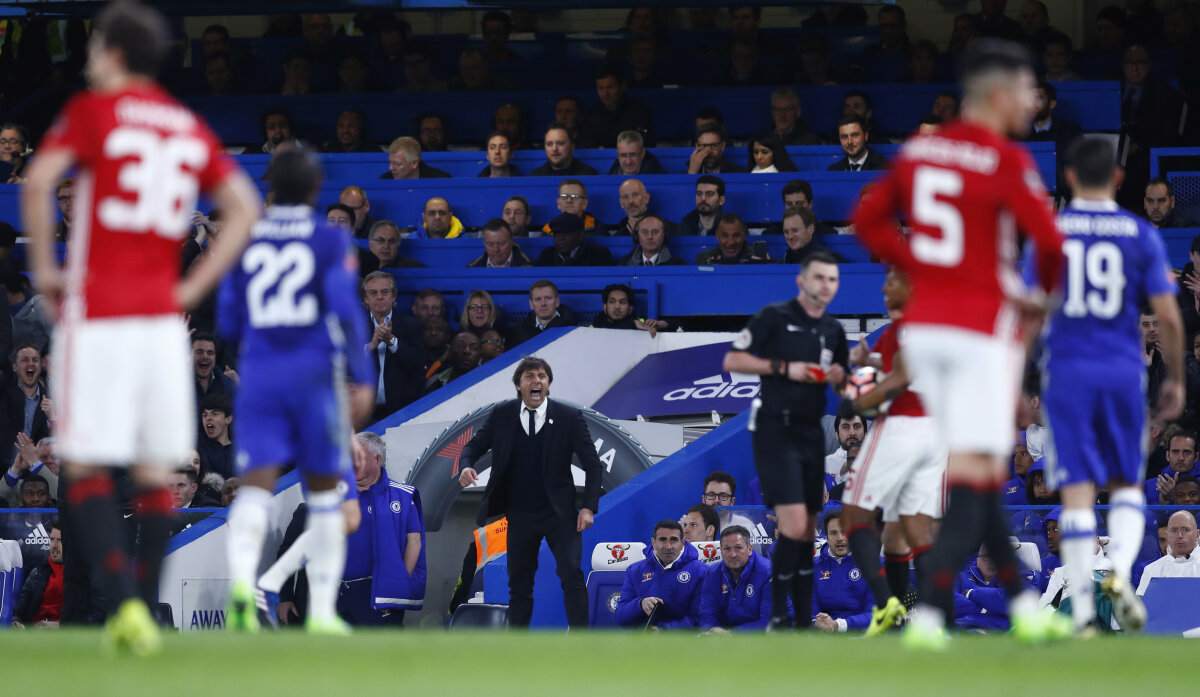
532 440
853 136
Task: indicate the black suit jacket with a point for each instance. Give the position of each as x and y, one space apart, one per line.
14 420
565 434
404 368
874 161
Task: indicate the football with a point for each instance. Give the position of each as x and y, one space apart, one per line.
861 381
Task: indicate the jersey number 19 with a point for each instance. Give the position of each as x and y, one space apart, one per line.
1101 266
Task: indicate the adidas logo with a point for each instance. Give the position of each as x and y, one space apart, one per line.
38 536
759 536
715 387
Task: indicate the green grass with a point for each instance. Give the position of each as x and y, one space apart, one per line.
436 663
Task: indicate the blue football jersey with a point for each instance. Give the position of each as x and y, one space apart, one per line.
1113 262
293 295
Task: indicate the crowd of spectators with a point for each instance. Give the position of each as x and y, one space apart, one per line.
422 348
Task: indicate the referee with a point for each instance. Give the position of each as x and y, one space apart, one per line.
796 348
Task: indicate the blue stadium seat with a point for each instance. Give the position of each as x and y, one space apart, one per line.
610 561
1096 106
358 167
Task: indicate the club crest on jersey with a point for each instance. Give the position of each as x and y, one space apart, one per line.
749 590
395 506
855 574
684 577
741 342
824 576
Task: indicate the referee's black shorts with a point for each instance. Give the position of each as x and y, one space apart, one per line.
790 460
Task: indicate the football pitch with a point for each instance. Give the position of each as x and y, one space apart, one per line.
435 663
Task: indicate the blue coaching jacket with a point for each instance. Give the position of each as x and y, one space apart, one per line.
395 512
840 591
745 604
980 604
679 587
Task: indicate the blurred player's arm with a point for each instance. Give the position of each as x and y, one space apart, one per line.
1170 334
38 218
412 551
889 388
875 223
862 356
1027 202
240 204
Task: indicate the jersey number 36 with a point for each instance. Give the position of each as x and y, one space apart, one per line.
159 172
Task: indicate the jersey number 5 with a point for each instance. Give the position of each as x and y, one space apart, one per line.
287 270
929 210
164 192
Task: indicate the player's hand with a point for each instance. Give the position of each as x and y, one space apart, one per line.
836 375
824 622
696 159
359 453
467 477
584 520
362 403
1170 400
860 353
285 610
799 371
648 604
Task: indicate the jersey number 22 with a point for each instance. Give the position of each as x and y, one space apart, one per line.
285 270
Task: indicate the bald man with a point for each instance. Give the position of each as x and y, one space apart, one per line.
1182 559
355 199
635 201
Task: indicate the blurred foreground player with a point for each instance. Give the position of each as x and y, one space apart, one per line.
292 307
1094 377
901 471
141 159
965 192
796 347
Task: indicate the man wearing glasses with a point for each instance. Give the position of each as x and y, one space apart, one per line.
719 490
573 199
709 155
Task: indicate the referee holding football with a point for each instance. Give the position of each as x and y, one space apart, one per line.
796 348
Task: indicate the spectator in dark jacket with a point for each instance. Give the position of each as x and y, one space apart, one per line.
40 601
545 312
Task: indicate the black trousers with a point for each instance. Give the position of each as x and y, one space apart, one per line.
526 529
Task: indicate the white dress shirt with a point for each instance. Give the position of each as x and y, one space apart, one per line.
539 417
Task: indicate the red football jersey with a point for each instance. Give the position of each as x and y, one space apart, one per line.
907 403
964 193
142 159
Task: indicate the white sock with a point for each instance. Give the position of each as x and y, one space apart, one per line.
1126 528
1078 528
1025 603
287 564
326 553
247 529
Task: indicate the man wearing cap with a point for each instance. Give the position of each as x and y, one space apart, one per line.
571 247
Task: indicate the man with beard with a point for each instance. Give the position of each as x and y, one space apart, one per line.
850 429
1050 128
710 196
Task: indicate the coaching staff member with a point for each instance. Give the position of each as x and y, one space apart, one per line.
532 440
796 348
